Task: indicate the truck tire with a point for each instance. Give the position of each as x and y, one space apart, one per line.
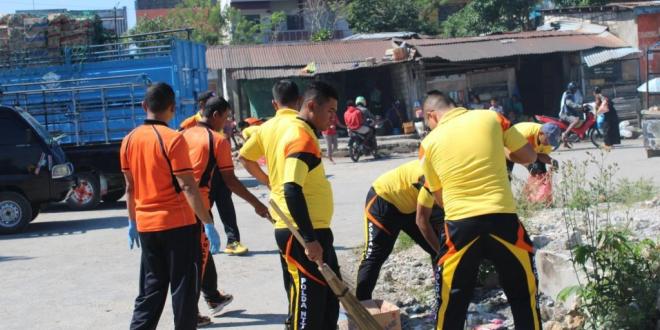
15 212
36 209
113 197
87 194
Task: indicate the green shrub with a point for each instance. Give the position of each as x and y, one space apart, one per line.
620 275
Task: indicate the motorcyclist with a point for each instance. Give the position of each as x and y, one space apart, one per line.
368 123
570 110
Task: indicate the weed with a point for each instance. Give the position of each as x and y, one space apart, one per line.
621 275
404 243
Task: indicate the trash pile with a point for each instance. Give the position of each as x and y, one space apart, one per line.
41 35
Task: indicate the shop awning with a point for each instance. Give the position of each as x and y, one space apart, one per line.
653 86
599 56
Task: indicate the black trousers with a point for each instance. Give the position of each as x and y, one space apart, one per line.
169 258
312 304
210 280
383 222
502 239
221 196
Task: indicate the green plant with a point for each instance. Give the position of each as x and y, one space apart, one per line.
322 35
619 275
404 242
629 192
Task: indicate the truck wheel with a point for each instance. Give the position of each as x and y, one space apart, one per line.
87 194
36 209
15 212
113 196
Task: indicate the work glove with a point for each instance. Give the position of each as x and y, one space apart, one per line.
555 165
213 236
132 234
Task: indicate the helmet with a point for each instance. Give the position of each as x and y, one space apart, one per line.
360 100
571 86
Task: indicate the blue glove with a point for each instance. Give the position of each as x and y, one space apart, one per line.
132 234
213 236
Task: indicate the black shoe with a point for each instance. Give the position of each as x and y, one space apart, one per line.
203 321
217 304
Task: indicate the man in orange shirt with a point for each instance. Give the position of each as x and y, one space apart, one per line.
210 152
201 102
163 200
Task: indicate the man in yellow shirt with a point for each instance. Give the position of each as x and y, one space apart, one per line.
300 188
463 161
543 138
391 207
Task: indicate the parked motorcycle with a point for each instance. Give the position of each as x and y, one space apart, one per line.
587 129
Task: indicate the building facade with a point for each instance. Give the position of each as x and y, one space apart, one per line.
302 18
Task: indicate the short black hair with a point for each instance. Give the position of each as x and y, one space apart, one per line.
159 97
597 90
350 103
205 96
285 91
215 104
243 124
493 99
435 96
320 92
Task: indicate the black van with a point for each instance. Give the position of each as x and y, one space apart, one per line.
33 169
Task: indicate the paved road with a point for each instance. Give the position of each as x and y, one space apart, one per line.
73 270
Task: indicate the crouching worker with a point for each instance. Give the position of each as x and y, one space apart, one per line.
210 152
543 138
393 204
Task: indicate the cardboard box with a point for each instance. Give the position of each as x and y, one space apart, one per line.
408 128
386 314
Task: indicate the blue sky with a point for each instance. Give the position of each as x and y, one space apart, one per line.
10 6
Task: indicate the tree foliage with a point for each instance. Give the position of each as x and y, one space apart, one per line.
580 3
370 16
323 16
489 16
212 24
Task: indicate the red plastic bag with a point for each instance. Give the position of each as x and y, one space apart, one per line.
539 188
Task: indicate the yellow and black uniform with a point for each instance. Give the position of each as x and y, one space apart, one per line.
254 149
210 152
169 234
300 188
390 208
464 157
249 131
531 132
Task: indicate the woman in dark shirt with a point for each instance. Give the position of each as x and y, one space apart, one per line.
610 126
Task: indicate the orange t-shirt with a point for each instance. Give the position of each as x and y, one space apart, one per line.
197 139
158 206
190 122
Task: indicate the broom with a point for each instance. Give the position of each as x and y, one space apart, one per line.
362 318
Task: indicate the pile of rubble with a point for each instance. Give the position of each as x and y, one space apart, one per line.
407 280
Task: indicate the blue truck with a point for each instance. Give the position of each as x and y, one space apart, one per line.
89 98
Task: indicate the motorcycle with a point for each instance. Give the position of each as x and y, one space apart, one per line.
587 129
361 144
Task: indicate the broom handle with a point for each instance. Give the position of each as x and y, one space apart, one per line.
291 227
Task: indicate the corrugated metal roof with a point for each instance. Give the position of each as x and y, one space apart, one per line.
383 36
607 7
283 72
599 56
504 45
299 54
653 86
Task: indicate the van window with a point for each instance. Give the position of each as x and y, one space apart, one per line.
12 132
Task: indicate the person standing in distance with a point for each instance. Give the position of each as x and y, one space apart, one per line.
163 200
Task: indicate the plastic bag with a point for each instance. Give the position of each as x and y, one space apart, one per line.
538 188
600 120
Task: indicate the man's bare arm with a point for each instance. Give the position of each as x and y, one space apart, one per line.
130 195
423 218
255 170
